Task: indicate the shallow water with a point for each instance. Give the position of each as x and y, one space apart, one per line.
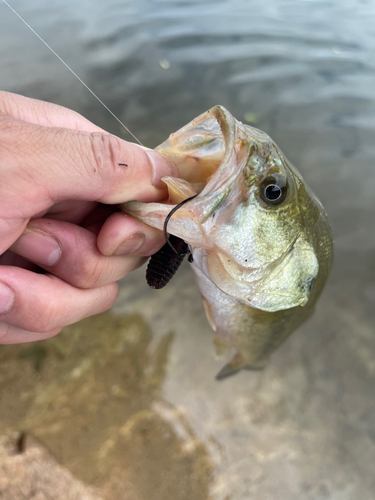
128 401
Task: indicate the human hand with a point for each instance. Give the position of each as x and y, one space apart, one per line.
57 170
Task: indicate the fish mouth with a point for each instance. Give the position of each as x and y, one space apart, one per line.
202 151
210 153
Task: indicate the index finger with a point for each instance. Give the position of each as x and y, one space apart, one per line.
41 166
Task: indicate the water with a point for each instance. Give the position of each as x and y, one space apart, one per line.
128 401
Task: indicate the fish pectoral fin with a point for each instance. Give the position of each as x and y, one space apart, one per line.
236 364
227 371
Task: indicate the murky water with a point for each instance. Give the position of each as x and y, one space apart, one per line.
127 401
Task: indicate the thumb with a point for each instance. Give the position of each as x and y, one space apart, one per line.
41 166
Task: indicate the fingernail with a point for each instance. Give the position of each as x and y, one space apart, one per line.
6 298
130 245
38 246
162 167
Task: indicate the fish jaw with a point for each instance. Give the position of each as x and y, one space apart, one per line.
209 153
203 149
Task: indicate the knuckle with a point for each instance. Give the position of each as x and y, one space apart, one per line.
16 137
8 104
10 132
45 321
106 150
88 274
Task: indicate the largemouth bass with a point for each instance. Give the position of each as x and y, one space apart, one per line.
260 241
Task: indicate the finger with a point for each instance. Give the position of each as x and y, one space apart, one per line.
99 215
42 302
9 258
121 234
10 229
55 164
70 252
10 334
71 211
43 113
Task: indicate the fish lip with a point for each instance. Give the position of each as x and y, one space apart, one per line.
228 129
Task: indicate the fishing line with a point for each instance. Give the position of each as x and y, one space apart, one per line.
75 74
167 219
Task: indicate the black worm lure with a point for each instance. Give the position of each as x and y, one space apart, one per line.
163 264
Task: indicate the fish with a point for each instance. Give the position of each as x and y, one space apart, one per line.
260 242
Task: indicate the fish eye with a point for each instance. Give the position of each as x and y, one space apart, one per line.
273 189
